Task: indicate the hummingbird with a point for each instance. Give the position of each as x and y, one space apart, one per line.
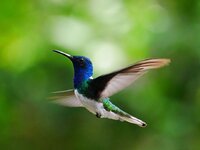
93 93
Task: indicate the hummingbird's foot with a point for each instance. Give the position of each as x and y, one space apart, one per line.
98 115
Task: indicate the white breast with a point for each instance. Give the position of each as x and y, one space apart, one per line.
95 107
89 104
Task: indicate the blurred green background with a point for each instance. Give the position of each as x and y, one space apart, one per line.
113 33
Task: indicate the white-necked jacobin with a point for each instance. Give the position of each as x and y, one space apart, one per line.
93 93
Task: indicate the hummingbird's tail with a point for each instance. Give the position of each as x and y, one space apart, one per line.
113 112
133 120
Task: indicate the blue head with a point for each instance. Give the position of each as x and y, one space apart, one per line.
83 69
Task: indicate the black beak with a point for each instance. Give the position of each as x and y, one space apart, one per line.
65 54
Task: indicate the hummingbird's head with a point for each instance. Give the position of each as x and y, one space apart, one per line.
82 66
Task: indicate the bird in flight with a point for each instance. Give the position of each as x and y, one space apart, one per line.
93 93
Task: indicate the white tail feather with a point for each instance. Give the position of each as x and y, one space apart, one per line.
134 120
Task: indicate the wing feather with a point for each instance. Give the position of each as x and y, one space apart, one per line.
109 84
66 98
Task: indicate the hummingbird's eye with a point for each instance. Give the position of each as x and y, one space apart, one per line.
82 62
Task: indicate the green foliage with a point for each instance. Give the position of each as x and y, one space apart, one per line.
113 33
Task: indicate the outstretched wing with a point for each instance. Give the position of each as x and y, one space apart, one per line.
109 84
66 98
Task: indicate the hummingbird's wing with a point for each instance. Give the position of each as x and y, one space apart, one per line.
66 98
109 84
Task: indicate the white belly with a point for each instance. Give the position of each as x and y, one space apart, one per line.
95 107
89 104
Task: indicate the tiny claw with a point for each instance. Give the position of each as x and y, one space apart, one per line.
98 115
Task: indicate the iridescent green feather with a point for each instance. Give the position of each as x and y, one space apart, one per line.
83 88
111 107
